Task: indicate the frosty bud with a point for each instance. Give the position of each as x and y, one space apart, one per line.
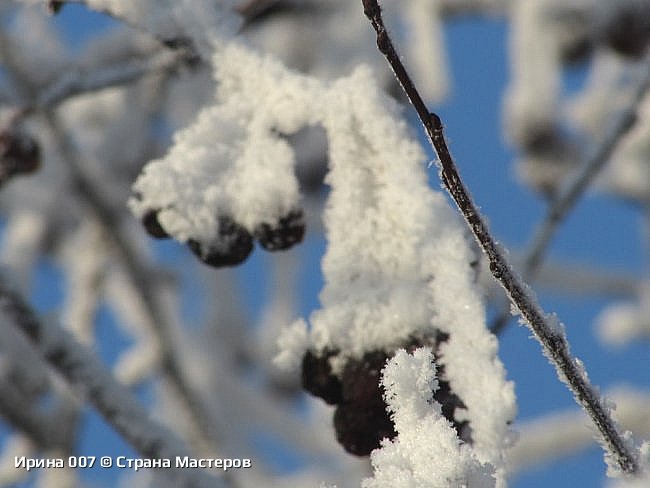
230 247
19 153
288 231
152 225
317 377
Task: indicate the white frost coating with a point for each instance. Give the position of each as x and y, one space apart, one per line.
608 92
603 94
85 260
622 323
533 94
141 359
21 239
231 161
425 47
102 118
202 21
561 434
628 173
293 342
34 42
379 212
15 445
613 467
426 452
397 263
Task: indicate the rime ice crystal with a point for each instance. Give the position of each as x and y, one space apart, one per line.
426 452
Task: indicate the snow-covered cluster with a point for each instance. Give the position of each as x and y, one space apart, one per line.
231 172
398 266
398 270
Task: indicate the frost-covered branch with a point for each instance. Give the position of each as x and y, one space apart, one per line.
79 82
85 373
45 429
546 328
186 26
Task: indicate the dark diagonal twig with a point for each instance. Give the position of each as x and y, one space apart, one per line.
545 328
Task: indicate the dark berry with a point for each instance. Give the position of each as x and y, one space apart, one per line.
152 225
361 420
361 427
577 51
186 46
625 27
19 153
288 231
230 247
54 6
317 377
575 40
361 378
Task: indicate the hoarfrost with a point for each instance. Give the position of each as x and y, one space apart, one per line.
426 452
397 265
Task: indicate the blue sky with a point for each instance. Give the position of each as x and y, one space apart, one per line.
600 231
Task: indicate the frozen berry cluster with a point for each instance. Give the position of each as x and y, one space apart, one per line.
19 154
233 243
360 419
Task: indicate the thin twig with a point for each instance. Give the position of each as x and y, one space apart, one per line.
545 328
575 187
83 371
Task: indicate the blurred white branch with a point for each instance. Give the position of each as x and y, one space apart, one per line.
85 373
575 186
561 434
